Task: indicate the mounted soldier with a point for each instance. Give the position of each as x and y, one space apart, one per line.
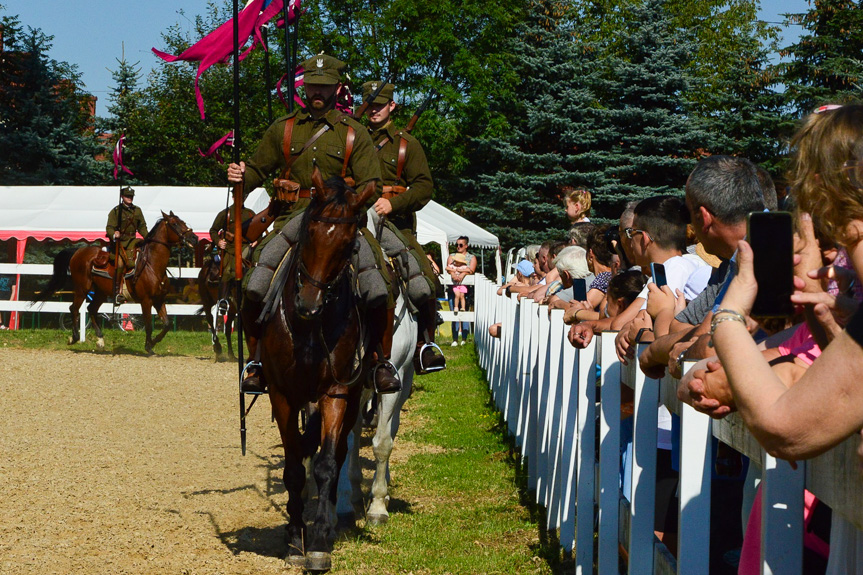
315 137
407 188
222 236
125 221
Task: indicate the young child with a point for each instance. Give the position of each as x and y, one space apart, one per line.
576 201
459 262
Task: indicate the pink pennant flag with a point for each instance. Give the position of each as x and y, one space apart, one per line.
118 156
217 46
227 139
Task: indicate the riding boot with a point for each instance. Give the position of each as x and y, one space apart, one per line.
253 374
427 356
386 377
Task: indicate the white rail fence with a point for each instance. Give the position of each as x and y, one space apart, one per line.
46 270
547 393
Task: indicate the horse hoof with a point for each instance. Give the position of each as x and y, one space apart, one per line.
70 341
100 343
295 560
377 519
318 561
149 351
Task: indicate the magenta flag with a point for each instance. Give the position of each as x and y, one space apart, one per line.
227 139
118 157
217 46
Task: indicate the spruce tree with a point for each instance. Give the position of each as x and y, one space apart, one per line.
47 136
826 63
519 164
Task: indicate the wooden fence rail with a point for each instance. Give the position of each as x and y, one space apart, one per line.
547 393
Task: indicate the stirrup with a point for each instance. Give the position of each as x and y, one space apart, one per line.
249 365
222 307
422 368
120 299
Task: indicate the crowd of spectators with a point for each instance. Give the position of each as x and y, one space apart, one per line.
792 379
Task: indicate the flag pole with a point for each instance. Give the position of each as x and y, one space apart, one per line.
238 230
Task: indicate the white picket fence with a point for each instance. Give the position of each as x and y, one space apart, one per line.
547 393
46 270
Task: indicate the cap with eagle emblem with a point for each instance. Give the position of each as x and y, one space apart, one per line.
322 69
385 95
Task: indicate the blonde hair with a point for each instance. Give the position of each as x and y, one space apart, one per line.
530 252
577 196
825 141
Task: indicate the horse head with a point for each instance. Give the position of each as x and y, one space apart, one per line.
178 231
328 238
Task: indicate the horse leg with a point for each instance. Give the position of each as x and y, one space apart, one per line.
210 318
147 318
93 309
389 417
75 310
163 317
350 486
294 476
337 414
229 328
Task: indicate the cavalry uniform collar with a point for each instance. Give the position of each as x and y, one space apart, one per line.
332 117
389 129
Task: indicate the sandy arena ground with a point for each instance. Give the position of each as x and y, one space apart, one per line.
102 474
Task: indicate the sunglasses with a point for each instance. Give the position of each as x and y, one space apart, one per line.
631 232
461 245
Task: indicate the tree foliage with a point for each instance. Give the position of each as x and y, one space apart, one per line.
826 64
46 135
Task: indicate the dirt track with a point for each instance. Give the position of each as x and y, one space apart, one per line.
101 474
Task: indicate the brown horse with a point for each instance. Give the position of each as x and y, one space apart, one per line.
312 356
149 286
213 293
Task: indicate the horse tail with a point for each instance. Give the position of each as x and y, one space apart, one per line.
58 280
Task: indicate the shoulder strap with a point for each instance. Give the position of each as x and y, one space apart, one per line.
286 144
403 152
349 148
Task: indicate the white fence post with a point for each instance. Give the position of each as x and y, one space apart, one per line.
643 496
586 482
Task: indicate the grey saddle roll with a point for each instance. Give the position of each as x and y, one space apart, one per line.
272 254
371 287
404 259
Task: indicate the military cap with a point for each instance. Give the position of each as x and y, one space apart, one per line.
127 191
386 93
322 69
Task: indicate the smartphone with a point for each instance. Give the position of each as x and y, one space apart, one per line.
771 236
658 273
579 289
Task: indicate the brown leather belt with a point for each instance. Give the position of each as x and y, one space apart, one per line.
392 191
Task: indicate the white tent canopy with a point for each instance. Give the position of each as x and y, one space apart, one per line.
80 213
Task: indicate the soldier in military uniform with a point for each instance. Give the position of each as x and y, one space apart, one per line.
407 188
124 222
289 136
222 236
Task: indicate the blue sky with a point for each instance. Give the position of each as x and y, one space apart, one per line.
93 33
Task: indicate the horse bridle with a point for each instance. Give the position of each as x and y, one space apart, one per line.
303 272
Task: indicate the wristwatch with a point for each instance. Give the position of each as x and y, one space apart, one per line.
641 332
681 357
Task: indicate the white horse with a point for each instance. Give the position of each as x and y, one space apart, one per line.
350 494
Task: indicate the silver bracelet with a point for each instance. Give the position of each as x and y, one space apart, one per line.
717 320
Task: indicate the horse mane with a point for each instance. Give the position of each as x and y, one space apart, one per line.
152 231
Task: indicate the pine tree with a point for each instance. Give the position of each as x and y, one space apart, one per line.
47 137
826 63
520 162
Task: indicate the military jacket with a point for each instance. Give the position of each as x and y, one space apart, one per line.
415 175
224 221
328 153
130 221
